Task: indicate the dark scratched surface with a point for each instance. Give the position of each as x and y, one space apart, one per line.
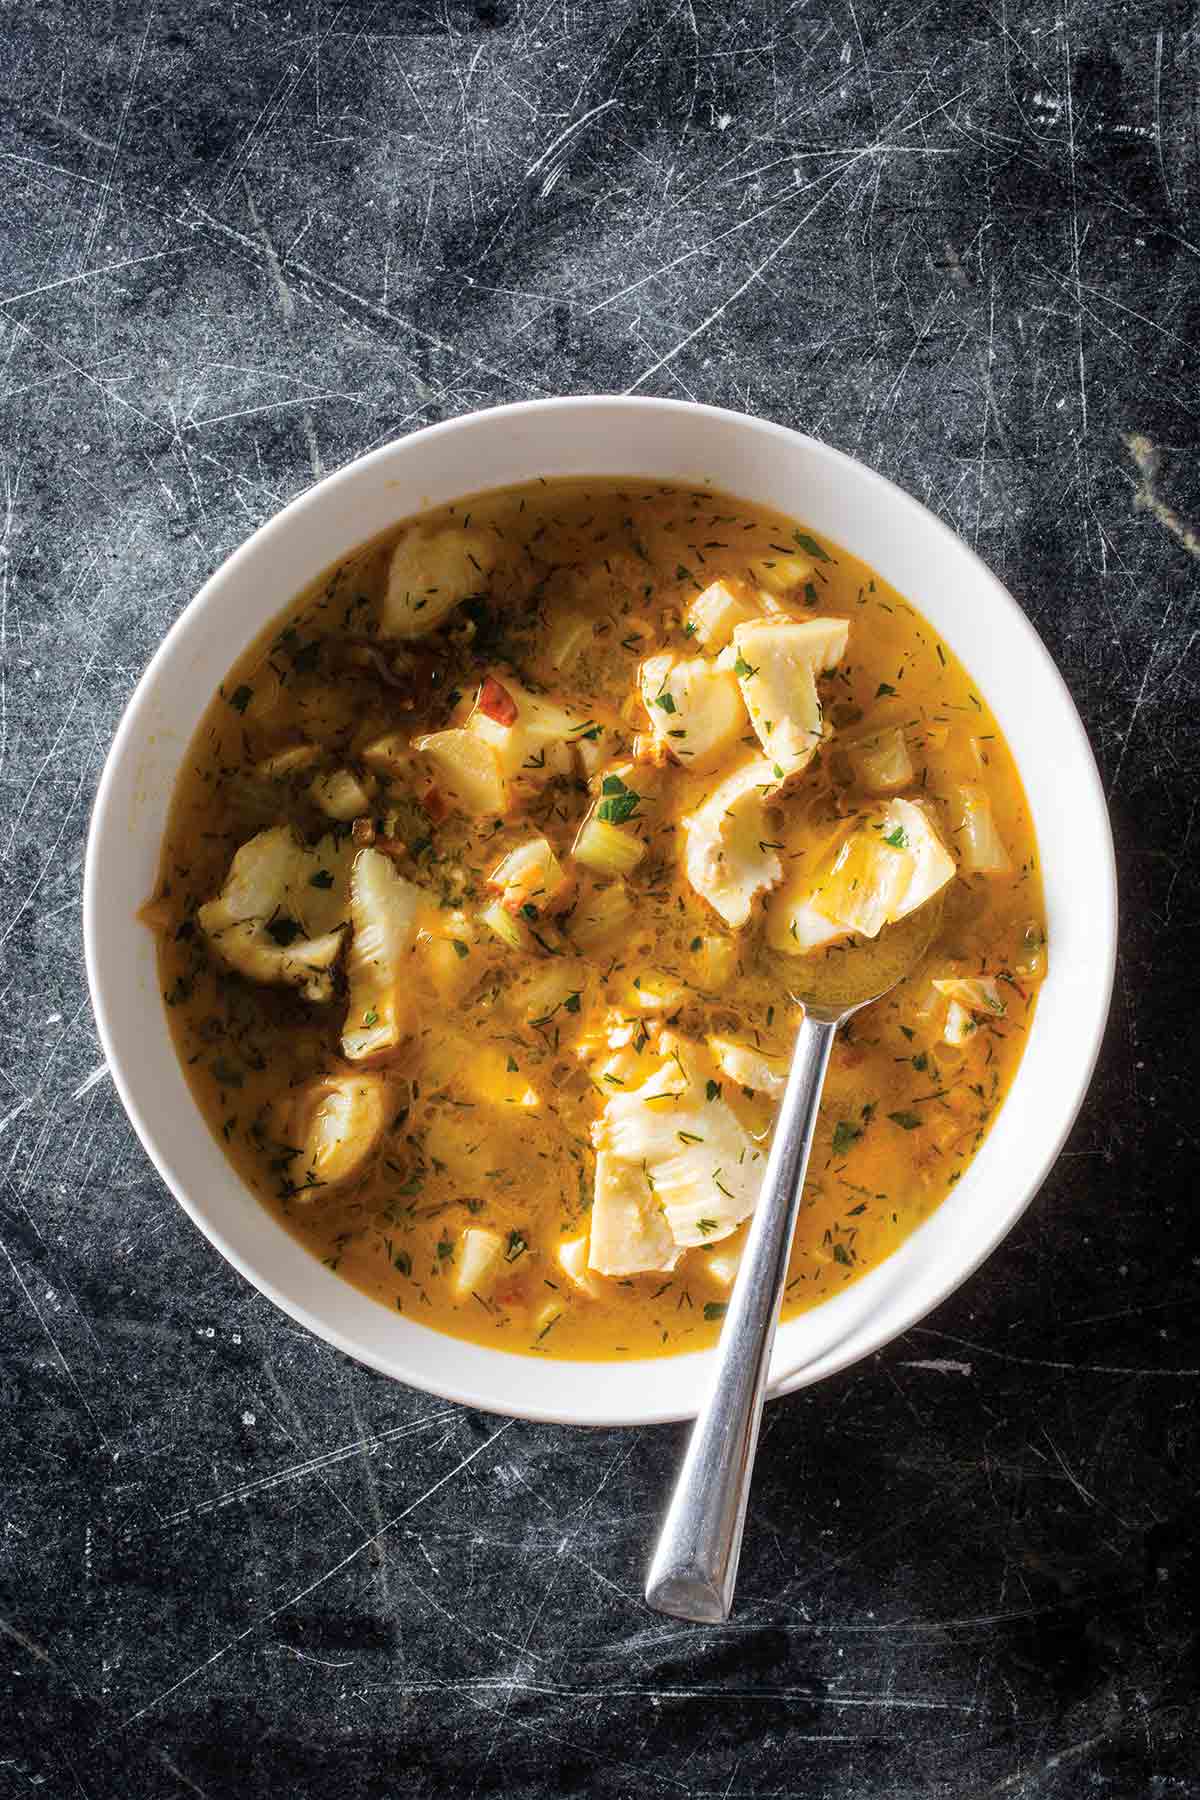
238 246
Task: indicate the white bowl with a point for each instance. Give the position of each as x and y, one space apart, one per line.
669 441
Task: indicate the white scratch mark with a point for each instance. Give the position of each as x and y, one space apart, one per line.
351 1555
129 262
102 203
88 1082
940 1366
570 132
16 1112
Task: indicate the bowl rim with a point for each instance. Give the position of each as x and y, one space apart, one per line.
840 1355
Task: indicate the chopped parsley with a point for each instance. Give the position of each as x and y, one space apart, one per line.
907 1121
845 1134
810 546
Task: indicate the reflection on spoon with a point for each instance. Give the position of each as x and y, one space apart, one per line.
695 1564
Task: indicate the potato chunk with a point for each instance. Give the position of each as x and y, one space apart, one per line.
480 1260
467 772
777 663
384 910
337 1120
728 858
881 762
695 708
713 614
276 917
529 735
343 795
750 1068
430 574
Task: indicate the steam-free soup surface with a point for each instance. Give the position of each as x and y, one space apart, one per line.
493 868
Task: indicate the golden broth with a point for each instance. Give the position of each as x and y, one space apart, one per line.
490 1105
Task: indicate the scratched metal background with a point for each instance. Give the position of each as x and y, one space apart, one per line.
241 244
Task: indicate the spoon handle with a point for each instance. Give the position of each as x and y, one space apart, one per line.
695 1564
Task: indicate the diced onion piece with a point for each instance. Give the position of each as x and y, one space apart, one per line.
711 617
497 1077
288 762
390 756
430 573
782 575
384 909
729 857
978 993
594 747
573 1260
569 635
716 962
342 795
446 944
980 845
467 771
777 662
530 875
881 763
508 928
655 993
960 1025
338 1120
600 918
479 1262
722 1264
695 708
629 1233
750 1068
545 1319
548 989
607 848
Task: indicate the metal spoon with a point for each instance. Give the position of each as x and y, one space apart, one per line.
695 1564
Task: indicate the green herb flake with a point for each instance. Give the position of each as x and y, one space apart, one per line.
241 698
885 688
845 1134
712 1090
460 949
715 1309
907 1121
810 546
